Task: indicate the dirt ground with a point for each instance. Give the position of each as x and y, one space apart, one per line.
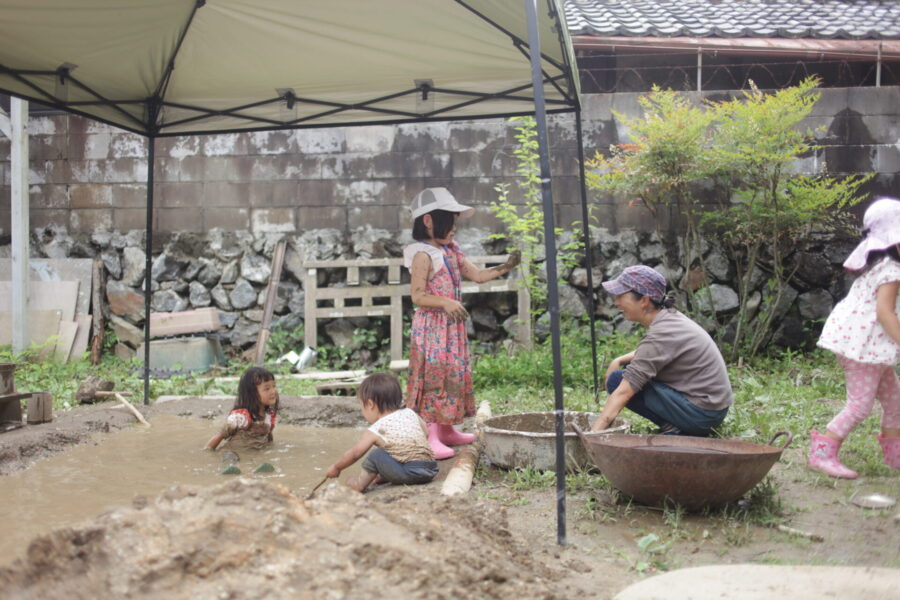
249 538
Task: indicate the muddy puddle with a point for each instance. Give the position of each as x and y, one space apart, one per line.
89 479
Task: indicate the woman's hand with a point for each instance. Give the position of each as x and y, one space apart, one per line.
332 472
515 257
618 363
455 309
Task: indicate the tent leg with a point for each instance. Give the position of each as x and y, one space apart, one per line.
19 220
148 265
537 83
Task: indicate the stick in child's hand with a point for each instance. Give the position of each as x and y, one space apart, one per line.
318 485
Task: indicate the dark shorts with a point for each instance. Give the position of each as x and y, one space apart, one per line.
666 406
394 471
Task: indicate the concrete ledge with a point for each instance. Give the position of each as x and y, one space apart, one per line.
755 582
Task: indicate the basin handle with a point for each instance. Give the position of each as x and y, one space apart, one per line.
787 442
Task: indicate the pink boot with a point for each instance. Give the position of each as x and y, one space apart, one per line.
823 456
452 437
891 448
440 450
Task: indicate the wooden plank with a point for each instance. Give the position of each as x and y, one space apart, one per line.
65 339
82 335
59 269
348 388
45 295
42 325
189 321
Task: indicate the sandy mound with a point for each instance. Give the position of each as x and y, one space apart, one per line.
251 539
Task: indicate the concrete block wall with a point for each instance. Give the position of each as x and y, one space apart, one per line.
86 176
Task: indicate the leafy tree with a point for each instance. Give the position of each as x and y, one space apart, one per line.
739 158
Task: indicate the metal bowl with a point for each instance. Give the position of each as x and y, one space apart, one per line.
693 472
528 440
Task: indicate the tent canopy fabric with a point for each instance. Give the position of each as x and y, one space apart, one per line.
176 67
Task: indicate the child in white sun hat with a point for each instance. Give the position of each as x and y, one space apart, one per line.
440 374
863 331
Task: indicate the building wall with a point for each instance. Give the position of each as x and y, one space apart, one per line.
86 176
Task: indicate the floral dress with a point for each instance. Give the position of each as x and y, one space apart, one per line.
440 375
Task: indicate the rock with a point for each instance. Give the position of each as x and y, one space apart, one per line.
242 295
134 266
244 332
512 326
255 268
571 302
192 269
228 319
165 268
580 280
112 263
209 274
199 296
297 303
101 238
125 301
88 388
815 305
168 301
374 243
230 470
220 296
230 272
484 318
283 295
718 266
720 297
264 468
340 331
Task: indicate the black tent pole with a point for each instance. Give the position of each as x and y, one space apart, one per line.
550 249
589 259
148 264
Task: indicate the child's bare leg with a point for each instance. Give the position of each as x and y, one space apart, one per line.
361 481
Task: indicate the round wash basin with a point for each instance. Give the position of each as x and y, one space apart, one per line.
528 440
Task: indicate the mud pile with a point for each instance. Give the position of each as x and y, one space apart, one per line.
252 539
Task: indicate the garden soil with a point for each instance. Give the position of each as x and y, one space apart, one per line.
249 538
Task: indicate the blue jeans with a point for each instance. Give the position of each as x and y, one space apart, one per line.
394 471
664 406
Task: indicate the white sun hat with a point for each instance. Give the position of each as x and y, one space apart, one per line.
437 198
881 228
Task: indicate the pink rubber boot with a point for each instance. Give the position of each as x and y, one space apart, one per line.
434 440
452 437
823 456
891 448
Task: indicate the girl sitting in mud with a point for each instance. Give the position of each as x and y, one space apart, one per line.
250 423
403 454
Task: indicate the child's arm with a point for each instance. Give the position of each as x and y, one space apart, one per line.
473 273
885 308
421 267
366 441
214 442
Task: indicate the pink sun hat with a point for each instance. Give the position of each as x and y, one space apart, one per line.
881 228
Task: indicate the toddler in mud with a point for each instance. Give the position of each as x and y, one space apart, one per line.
402 454
250 423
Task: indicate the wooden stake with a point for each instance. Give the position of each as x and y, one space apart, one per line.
271 293
99 325
459 479
130 407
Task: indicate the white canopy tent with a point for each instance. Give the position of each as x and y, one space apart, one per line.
179 67
174 67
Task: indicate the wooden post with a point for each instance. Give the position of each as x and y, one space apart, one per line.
271 293
99 323
40 408
310 324
19 221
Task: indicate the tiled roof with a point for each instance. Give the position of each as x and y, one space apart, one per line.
828 19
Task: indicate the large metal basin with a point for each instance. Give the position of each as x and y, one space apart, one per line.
528 440
691 471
